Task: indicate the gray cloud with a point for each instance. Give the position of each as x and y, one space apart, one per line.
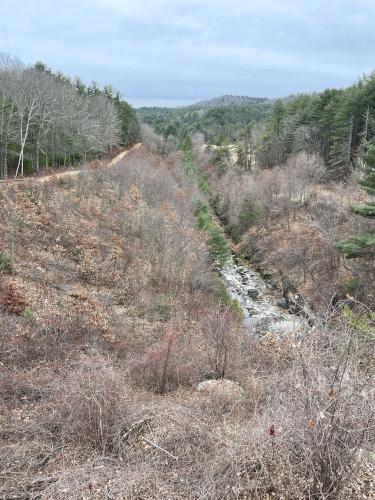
169 52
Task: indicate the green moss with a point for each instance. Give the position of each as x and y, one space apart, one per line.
352 286
363 324
233 304
217 242
5 263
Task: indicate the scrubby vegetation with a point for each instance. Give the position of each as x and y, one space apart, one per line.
127 370
111 316
291 225
290 186
294 188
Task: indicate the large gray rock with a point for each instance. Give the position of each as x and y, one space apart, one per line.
253 293
282 303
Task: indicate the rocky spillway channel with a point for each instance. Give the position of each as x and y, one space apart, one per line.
261 314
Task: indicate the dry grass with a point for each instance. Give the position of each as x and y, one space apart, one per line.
120 322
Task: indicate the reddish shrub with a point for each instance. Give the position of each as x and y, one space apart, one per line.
162 366
11 299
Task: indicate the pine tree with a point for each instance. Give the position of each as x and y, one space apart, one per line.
349 125
363 245
369 181
129 124
367 209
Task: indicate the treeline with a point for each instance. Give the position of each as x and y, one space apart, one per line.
48 119
337 123
219 124
230 100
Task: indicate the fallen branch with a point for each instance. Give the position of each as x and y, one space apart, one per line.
159 447
136 428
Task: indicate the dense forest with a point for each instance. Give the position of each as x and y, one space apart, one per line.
220 120
230 100
48 119
337 123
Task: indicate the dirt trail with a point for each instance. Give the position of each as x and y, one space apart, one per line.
112 163
71 173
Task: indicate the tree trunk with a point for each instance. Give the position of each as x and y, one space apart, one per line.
24 138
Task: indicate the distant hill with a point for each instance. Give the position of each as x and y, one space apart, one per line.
230 100
219 119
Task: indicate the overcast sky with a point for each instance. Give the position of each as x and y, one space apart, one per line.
168 52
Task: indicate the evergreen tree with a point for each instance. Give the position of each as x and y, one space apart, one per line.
129 124
363 245
369 180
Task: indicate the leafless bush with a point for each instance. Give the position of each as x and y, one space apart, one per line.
50 339
91 407
157 370
101 479
22 386
308 167
150 139
307 437
221 341
330 414
12 334
169 363
187 354
165 458
21 466
275 192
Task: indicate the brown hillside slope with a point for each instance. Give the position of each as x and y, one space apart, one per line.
111 315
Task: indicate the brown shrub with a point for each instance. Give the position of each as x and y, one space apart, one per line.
96 164
23 386
100 479
166 364
191 352
12 299
25 341
91 408
221 338
21 465
306 437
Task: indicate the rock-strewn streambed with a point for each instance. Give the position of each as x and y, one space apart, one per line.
261 314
